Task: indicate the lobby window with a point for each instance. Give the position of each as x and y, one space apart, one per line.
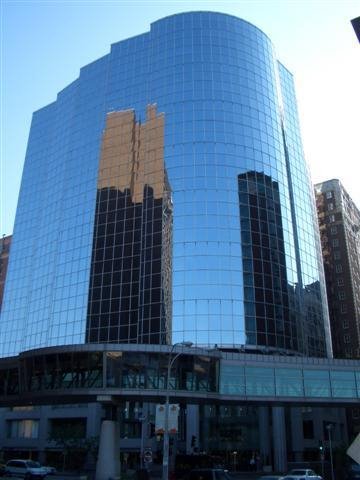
23 428
308 429
67 428
329 194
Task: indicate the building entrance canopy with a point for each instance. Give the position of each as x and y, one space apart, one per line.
94 372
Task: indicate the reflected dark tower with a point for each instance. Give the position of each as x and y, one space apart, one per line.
268 320
130 280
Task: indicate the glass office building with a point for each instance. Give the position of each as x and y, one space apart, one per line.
165 197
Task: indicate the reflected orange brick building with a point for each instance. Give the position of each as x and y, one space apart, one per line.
130 285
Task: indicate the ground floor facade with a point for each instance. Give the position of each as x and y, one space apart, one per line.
70 406
241 437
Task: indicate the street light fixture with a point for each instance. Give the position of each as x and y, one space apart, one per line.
142 419
329 427
165 472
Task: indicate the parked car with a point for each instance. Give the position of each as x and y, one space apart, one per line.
2 469
27 469
208 474
302 474
50 470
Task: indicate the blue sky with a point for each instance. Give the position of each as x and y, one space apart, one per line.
44 44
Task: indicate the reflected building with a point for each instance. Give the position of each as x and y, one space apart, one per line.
266 296
130 277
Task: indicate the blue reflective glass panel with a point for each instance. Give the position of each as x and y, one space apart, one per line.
317 383
289 382
260 381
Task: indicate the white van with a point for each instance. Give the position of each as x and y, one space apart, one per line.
25 468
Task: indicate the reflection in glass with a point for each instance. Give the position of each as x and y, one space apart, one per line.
130 282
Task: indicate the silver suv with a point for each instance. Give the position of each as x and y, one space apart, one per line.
302 474
25 468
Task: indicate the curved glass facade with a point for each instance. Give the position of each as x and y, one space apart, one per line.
234 208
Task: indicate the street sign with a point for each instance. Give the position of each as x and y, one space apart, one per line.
172 420
174 410
160 419
148 456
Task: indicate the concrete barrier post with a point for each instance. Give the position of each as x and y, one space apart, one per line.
108 462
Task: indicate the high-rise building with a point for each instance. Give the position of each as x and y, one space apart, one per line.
216 180
165 200
339 222
356 25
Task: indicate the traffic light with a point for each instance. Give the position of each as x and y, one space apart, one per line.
193 441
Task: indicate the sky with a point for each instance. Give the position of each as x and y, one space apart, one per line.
44 44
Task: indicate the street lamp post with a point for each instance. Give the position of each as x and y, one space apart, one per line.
329 428
165 472
142 419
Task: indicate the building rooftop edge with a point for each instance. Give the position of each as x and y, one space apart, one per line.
215 12
112 45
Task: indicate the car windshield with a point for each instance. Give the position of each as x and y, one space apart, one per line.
32 464
298 472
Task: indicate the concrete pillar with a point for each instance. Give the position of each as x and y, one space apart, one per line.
264 435
108 463
279 439
192 426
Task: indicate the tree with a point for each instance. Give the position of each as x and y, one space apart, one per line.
69 437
